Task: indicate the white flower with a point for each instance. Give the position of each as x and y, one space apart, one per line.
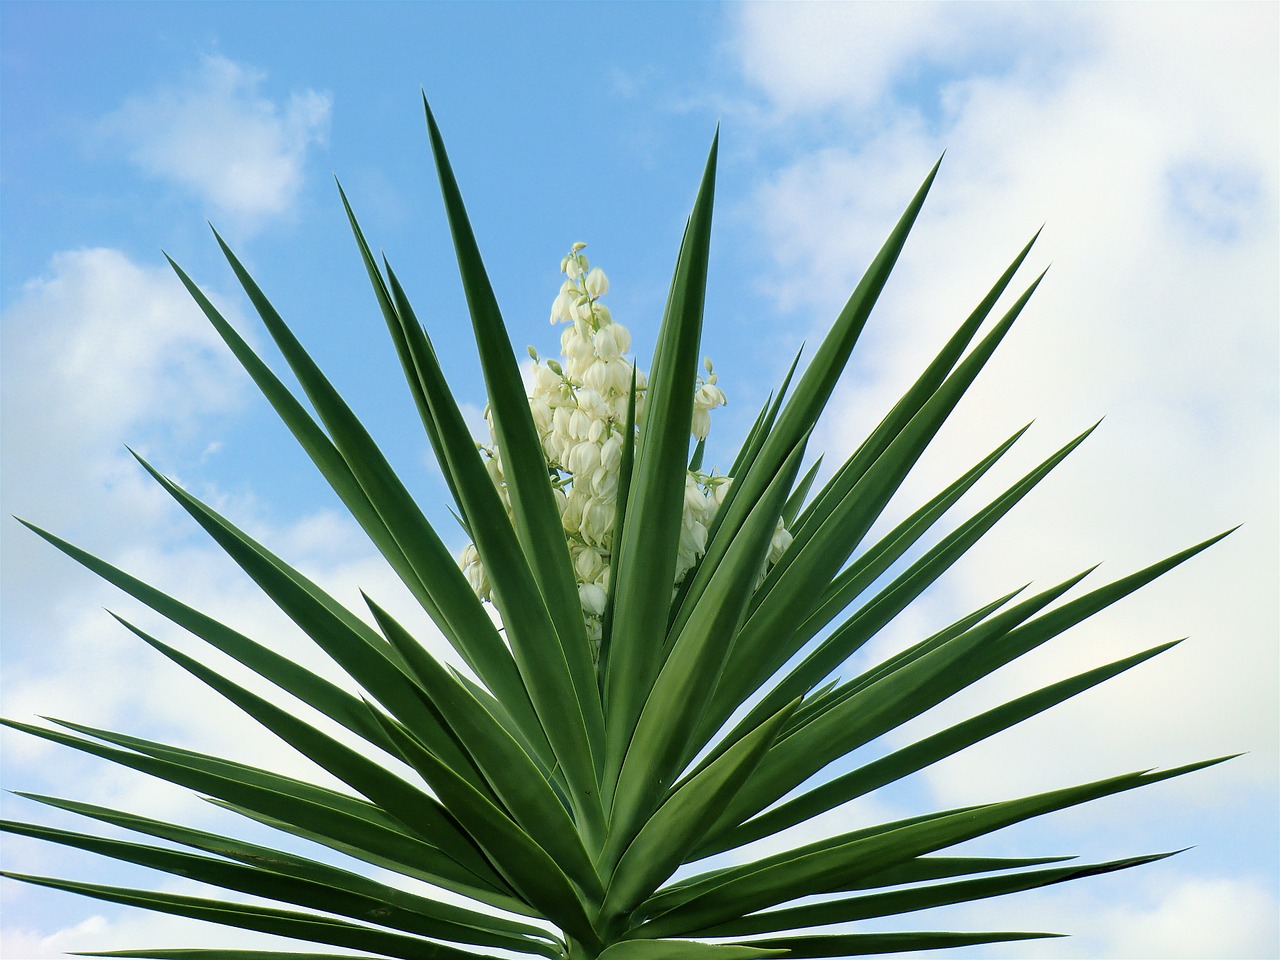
611 452
606 342
571 518
584 458
701 425
597 283
597 520
593 598
720 489
779 543
709 396
588 564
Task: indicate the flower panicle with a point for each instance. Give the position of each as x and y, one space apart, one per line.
579 406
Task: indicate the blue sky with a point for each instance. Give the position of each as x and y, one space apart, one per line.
1143 136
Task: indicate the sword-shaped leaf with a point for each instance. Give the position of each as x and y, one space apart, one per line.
422 561
664 842
917 756
526 866
514 777
657 752
284 923
391 908
293 865
894 902
651 532
560 676
828 865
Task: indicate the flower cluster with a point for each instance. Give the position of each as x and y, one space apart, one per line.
579 407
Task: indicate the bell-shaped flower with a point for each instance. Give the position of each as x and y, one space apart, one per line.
701 425
588 564
720 489
478 579
611 452
597 283
584 458
571 518
606 342
593 599
709 396
597 520
779 543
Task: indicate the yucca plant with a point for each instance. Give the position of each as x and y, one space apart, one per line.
658 665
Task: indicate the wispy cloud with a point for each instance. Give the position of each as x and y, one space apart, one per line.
220 137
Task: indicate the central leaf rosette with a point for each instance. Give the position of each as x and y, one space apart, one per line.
579 406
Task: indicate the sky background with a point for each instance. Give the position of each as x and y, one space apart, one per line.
1143 136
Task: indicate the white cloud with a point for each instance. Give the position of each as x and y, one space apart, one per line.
221 138
1149 150
855 57
99 351
1162 914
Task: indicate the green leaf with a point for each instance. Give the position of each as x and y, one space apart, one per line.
800 414
514 777
286 923
327 697
895 902
685 950
199 954
391 908
828 865
905 588
352 643
849 721
917 756
403 801
553 680
421 560
344 822
796 500
651 533
626 471
925 386
529 627
659 750
837 946
526 866
293 865
665 841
